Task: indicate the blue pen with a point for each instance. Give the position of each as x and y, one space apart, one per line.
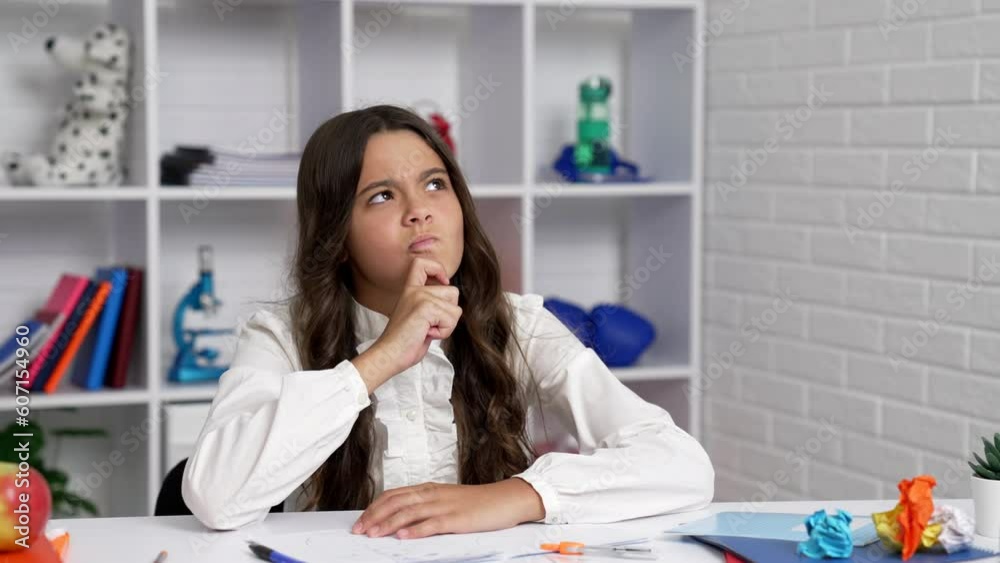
268 554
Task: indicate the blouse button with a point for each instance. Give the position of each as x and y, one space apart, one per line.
411 415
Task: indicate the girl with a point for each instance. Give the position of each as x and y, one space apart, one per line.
397 378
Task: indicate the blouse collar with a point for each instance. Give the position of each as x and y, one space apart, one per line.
368 323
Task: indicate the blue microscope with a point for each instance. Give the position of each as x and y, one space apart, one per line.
193 363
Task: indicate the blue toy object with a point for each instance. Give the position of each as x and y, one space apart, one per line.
192 363
575 318
622 335
617 334
621 170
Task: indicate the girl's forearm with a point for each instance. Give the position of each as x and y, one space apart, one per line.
528 502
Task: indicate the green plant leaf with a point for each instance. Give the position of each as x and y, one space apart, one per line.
80 503
980 460
990 448
994 465
996 440
983 472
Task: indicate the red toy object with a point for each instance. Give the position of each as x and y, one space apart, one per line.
443 127
25 507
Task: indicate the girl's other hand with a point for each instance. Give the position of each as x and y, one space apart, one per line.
436 508
427 310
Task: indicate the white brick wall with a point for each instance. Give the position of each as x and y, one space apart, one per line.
880 216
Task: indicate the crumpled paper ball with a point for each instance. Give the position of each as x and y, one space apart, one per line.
829 536
957 528
916 524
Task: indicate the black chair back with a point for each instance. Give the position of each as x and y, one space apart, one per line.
170 502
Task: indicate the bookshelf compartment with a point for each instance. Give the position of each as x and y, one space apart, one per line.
646 240
256 79
652 90
500 219
41 241
469 68
249 265
36 89
107 470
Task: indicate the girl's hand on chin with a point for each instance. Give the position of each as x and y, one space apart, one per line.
436 508
423 313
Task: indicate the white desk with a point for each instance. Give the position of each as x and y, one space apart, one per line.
138 540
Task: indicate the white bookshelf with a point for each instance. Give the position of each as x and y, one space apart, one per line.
223 79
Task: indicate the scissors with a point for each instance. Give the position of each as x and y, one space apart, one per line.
577 548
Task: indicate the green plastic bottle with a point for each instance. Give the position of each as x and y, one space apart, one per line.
593 127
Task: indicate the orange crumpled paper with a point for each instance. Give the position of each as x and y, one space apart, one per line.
918 506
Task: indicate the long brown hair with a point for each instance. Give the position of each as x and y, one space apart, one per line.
489 404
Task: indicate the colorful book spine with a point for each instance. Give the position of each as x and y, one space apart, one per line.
87 321
65 335
93 364
56 312
125 336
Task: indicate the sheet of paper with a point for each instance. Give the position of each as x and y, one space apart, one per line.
450 548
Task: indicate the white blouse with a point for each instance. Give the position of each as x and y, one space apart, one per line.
273 424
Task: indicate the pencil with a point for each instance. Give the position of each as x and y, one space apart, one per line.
162 557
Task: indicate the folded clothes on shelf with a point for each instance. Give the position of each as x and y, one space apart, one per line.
213 166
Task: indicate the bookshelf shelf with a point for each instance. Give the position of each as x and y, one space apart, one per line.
175 393
224 80
69 397
654 373
614 190
175 193
76 194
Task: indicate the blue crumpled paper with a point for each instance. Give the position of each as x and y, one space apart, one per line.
829 536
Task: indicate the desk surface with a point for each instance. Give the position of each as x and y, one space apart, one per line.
138 540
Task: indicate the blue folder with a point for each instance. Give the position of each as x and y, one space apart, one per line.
756 550
93 363
769 525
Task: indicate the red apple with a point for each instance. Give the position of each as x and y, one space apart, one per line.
25 505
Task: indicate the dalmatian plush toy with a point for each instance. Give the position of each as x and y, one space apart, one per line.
88 148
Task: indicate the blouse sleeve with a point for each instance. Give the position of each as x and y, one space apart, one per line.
270 427
634 460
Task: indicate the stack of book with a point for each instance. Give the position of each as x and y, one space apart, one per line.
213 166
86 327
